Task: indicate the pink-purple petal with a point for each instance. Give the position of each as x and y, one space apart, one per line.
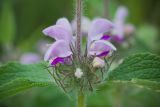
65 23
57 61
103 54
58 32
118 31
101 47
105 37
118 38
119 22
99 26
121 14
59 48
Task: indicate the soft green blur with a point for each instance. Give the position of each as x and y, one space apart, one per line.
21 25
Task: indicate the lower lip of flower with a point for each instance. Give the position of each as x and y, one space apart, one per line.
105 37
57 60
103 54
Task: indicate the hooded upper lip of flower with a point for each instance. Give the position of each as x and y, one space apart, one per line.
62 32
120 26
119 21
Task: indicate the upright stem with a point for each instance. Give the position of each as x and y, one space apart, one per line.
106 8
81 100
78 31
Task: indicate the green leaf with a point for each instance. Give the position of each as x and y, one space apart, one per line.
140 69
15 77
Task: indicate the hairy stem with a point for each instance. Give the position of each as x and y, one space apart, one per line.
78 21
81 99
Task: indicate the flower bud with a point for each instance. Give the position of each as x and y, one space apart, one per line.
129 29
98 62
78 73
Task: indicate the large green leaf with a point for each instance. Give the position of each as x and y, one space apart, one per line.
140 69
15 77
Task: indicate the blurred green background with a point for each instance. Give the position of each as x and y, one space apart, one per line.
21 25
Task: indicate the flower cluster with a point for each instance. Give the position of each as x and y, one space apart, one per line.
84 70
60 51
121 30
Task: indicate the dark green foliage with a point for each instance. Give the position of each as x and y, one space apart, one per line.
15 77
139 69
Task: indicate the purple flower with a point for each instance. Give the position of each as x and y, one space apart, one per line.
60 51
119 21
121 28
97 40
30 58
